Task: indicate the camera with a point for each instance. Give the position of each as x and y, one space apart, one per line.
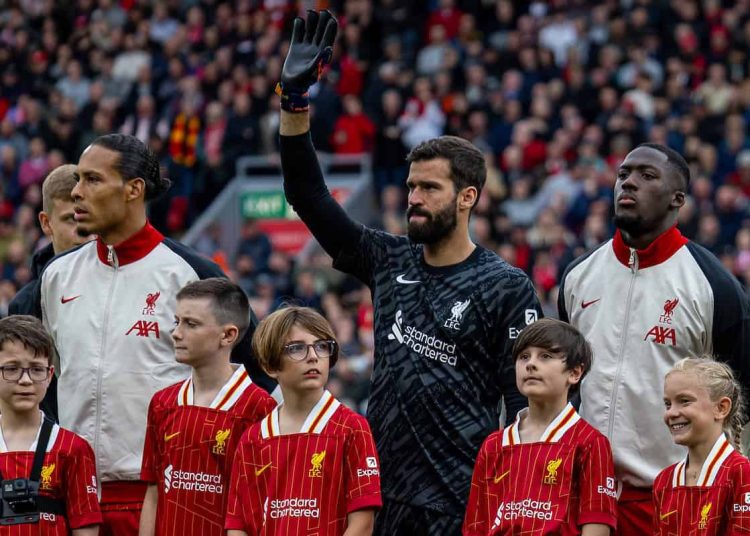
19 501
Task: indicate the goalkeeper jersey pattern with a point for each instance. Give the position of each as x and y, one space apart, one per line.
443 339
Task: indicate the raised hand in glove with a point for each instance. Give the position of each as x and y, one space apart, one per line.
311 48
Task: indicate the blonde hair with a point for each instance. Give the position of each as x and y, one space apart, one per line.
58 185
719 380
271 335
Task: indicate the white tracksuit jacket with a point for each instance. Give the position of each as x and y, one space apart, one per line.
642 311
110 311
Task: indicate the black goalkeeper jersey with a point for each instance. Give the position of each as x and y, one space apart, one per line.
443 339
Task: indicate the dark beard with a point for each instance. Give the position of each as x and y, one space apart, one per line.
436 228
632 225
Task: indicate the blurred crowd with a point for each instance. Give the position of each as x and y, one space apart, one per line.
555 93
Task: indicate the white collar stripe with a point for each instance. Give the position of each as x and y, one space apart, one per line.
232 390
185 394
315 422
561 424
326 416
317 413
720 452
678 477
510 434
264 424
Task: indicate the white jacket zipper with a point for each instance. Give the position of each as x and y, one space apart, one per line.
633 264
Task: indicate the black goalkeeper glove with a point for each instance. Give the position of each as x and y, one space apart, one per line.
310 50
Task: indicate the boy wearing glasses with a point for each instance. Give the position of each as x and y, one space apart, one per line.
194 426
310 466
550 472
67 499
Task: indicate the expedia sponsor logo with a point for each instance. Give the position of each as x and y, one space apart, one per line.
742 508
527 508
421 343
189 481
609 489
295 507
372 468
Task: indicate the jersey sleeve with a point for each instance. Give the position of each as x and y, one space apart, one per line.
81 500
597 484
245 506
739 507
362 258
362 468
150 463
476 521
519 308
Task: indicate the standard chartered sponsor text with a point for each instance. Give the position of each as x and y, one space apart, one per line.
294 507
528 508
190 481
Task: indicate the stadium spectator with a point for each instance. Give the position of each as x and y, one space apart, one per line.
644 300
443 321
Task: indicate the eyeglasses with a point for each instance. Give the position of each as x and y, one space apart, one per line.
13 373
297 351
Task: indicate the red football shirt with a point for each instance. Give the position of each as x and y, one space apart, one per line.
719 503
307 483
189 451
553 486
68 474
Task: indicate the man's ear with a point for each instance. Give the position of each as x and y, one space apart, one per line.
44 223
135 188
467 198
678 199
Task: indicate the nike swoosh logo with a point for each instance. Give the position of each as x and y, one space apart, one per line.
586 304
63 299
499 478
258 472
168 437
400 279
665 516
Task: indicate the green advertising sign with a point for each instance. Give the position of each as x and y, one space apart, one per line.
269 204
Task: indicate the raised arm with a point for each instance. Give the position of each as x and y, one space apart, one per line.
310 49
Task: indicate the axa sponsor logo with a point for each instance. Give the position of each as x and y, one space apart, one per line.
372 468
174 479
421 343
457 313
527 508
144 328
295 507
663 333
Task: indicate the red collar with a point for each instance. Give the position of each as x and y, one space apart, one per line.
658 251
134 248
